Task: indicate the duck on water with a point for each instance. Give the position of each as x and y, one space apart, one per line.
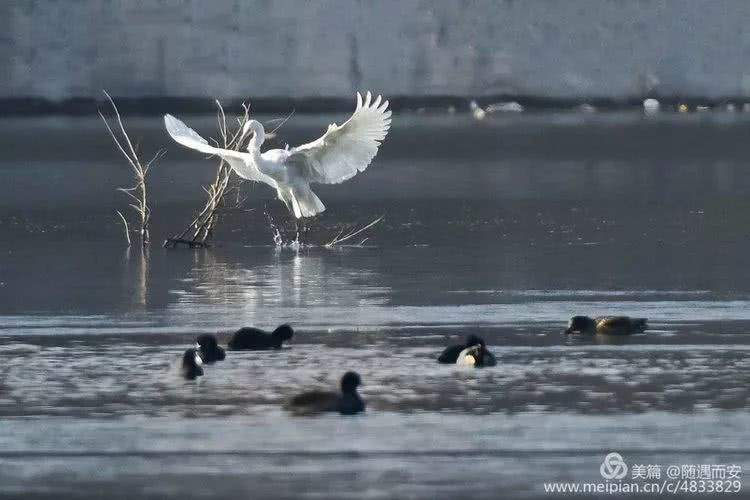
345 402
255 339
606 325
476 356
473 348
209 348
190 366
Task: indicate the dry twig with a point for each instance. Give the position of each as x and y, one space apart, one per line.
341 237
137 193
125 225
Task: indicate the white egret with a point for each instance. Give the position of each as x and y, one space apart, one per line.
651 106
338 155
504 107
477 111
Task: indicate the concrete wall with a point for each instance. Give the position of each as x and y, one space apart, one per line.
236 48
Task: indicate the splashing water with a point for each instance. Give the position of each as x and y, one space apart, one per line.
295 244
278 240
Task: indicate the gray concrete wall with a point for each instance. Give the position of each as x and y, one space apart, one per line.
235 48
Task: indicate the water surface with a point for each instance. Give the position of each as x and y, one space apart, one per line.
505 228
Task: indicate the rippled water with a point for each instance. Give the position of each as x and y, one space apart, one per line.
506 236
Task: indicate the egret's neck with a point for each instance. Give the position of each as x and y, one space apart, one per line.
254 144
259 136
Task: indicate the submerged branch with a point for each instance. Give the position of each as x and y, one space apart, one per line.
338 239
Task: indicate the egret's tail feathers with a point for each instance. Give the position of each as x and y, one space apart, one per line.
308 202
301 201
285 196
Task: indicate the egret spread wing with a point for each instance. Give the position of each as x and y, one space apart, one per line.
239 161
344 150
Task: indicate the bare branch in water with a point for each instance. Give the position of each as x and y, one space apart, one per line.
338 239
138 193
198 233
125 226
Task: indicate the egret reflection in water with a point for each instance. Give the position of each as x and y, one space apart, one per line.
283 286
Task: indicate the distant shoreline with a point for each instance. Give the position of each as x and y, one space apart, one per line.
152 105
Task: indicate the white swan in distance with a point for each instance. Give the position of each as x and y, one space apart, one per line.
338 155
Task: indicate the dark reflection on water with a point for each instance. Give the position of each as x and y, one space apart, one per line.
504 228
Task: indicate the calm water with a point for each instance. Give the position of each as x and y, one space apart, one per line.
507 227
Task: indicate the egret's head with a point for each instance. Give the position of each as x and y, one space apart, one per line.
255 130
